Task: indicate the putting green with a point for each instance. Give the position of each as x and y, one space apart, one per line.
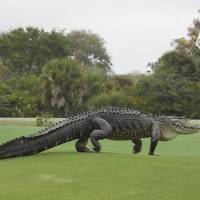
115 174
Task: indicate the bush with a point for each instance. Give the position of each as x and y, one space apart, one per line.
44 120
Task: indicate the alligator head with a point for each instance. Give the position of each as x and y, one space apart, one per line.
171 126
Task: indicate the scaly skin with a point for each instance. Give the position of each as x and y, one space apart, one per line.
109 122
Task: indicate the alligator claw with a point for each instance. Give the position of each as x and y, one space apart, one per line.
154 154
96 149
136 151
87 149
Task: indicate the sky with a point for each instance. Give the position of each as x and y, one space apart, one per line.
135 31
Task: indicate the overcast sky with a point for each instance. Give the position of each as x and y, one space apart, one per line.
135 31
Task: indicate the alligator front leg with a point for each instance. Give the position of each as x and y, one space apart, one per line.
81 145
154 138
103 131
138 145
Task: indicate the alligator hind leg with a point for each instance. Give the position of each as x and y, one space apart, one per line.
138 145
81 145
103 131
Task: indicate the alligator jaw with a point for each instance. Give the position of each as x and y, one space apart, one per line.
184 127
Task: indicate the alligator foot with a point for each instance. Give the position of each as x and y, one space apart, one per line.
153 154
138 145
84 149
96 149
136 151
87 149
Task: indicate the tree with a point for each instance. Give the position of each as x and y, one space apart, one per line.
4 101
188 44
68 85
179 64
185 48
26 50
26 96
119 91
173 88
89 49
32 57
167 95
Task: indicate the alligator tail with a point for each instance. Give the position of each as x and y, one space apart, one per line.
33 144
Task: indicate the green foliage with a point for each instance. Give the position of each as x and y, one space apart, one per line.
62 74
89 49
26 96
119 91
174 85
45 119
113 98
31 68
68 85
26 50
64 84
178 64
170 96
4 100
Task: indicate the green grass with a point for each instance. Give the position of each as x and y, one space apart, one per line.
115 174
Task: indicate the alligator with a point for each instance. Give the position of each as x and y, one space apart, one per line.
115 123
